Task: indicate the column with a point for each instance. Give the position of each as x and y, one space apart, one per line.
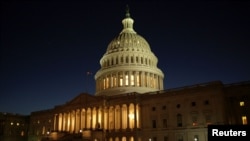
124 79
142 79
129 78
85 118
135 78
128 121
55 122
121 107
135 118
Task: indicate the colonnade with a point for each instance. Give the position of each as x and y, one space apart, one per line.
124 116
135 59
129 78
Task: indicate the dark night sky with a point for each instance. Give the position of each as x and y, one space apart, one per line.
48 46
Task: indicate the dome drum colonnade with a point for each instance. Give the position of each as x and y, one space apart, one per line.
128 65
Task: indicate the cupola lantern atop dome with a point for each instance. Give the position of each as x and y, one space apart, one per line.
128 65
128 22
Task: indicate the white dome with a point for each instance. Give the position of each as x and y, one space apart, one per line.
128 65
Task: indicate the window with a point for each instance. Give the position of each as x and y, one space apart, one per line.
151 80
137 80
164 107
164 122
206 102
194 120
132 83
114 80
178 106
242 103
107 82
196 138
104 83
244 120
121 59
180 138
154 123
193 104
153 108
179 120
165 138
120 79
112 61
126 79
208 119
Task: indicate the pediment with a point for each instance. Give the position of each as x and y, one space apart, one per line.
82 99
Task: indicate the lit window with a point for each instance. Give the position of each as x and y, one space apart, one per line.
107 82
242 103
137 80
11 123
194 119
22 133
132 80
17 124
196 138
120 79
208 119
244 120
126 79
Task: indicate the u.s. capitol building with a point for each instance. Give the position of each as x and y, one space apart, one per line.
131 104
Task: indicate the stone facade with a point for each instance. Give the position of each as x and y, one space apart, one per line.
180 114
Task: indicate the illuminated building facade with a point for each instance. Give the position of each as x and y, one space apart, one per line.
130 103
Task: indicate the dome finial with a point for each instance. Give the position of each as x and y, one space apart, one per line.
127 12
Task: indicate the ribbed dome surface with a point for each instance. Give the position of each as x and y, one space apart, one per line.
127 41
